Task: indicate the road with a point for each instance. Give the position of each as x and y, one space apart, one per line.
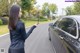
37 42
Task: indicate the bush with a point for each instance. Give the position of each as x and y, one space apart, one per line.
43 18
1 22
34 19
53 17
4 20
40 19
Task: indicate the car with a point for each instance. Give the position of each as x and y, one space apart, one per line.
64 34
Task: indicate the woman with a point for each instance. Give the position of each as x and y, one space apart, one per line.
17 31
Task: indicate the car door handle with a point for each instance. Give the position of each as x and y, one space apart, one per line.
61 37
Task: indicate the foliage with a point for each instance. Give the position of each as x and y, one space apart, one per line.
42 18
74 9
53 8
77 7
4 20
27 5
48 8
34 11
1 22
45 9
3 7
69 11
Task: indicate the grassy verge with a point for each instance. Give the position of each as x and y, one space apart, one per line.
4 28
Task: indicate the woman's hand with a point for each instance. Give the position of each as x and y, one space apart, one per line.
36 24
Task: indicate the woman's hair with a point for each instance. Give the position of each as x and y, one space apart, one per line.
13 16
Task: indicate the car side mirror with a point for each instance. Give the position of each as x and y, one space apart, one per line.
51 24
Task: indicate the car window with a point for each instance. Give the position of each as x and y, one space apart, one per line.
68 25
73 29
57 22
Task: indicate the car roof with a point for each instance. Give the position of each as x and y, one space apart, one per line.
77 17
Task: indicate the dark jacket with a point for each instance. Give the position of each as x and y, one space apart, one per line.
18 37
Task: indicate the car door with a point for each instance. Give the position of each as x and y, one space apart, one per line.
55 39
70 34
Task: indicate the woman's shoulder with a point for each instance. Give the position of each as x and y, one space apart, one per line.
20 24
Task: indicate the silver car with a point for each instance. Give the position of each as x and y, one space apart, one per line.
65 34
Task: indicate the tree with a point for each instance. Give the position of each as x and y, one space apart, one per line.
68 10
45 10
3 7
48 8
34 11
27 5
53 8
77 7
74 9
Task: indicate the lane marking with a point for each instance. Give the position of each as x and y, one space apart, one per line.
54 50
4 34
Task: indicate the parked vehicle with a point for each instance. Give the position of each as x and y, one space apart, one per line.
65 34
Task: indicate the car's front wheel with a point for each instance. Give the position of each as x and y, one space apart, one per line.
49 34
49 38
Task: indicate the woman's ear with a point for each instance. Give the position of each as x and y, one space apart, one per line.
20 13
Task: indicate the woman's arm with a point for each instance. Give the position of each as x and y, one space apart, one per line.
23 31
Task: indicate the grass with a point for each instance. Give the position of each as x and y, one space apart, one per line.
4 28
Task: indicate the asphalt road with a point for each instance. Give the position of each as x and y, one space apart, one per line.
37 42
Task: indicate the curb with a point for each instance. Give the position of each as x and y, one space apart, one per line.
4 34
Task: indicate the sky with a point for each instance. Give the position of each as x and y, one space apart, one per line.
60 4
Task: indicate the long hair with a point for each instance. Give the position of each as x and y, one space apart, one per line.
13 16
